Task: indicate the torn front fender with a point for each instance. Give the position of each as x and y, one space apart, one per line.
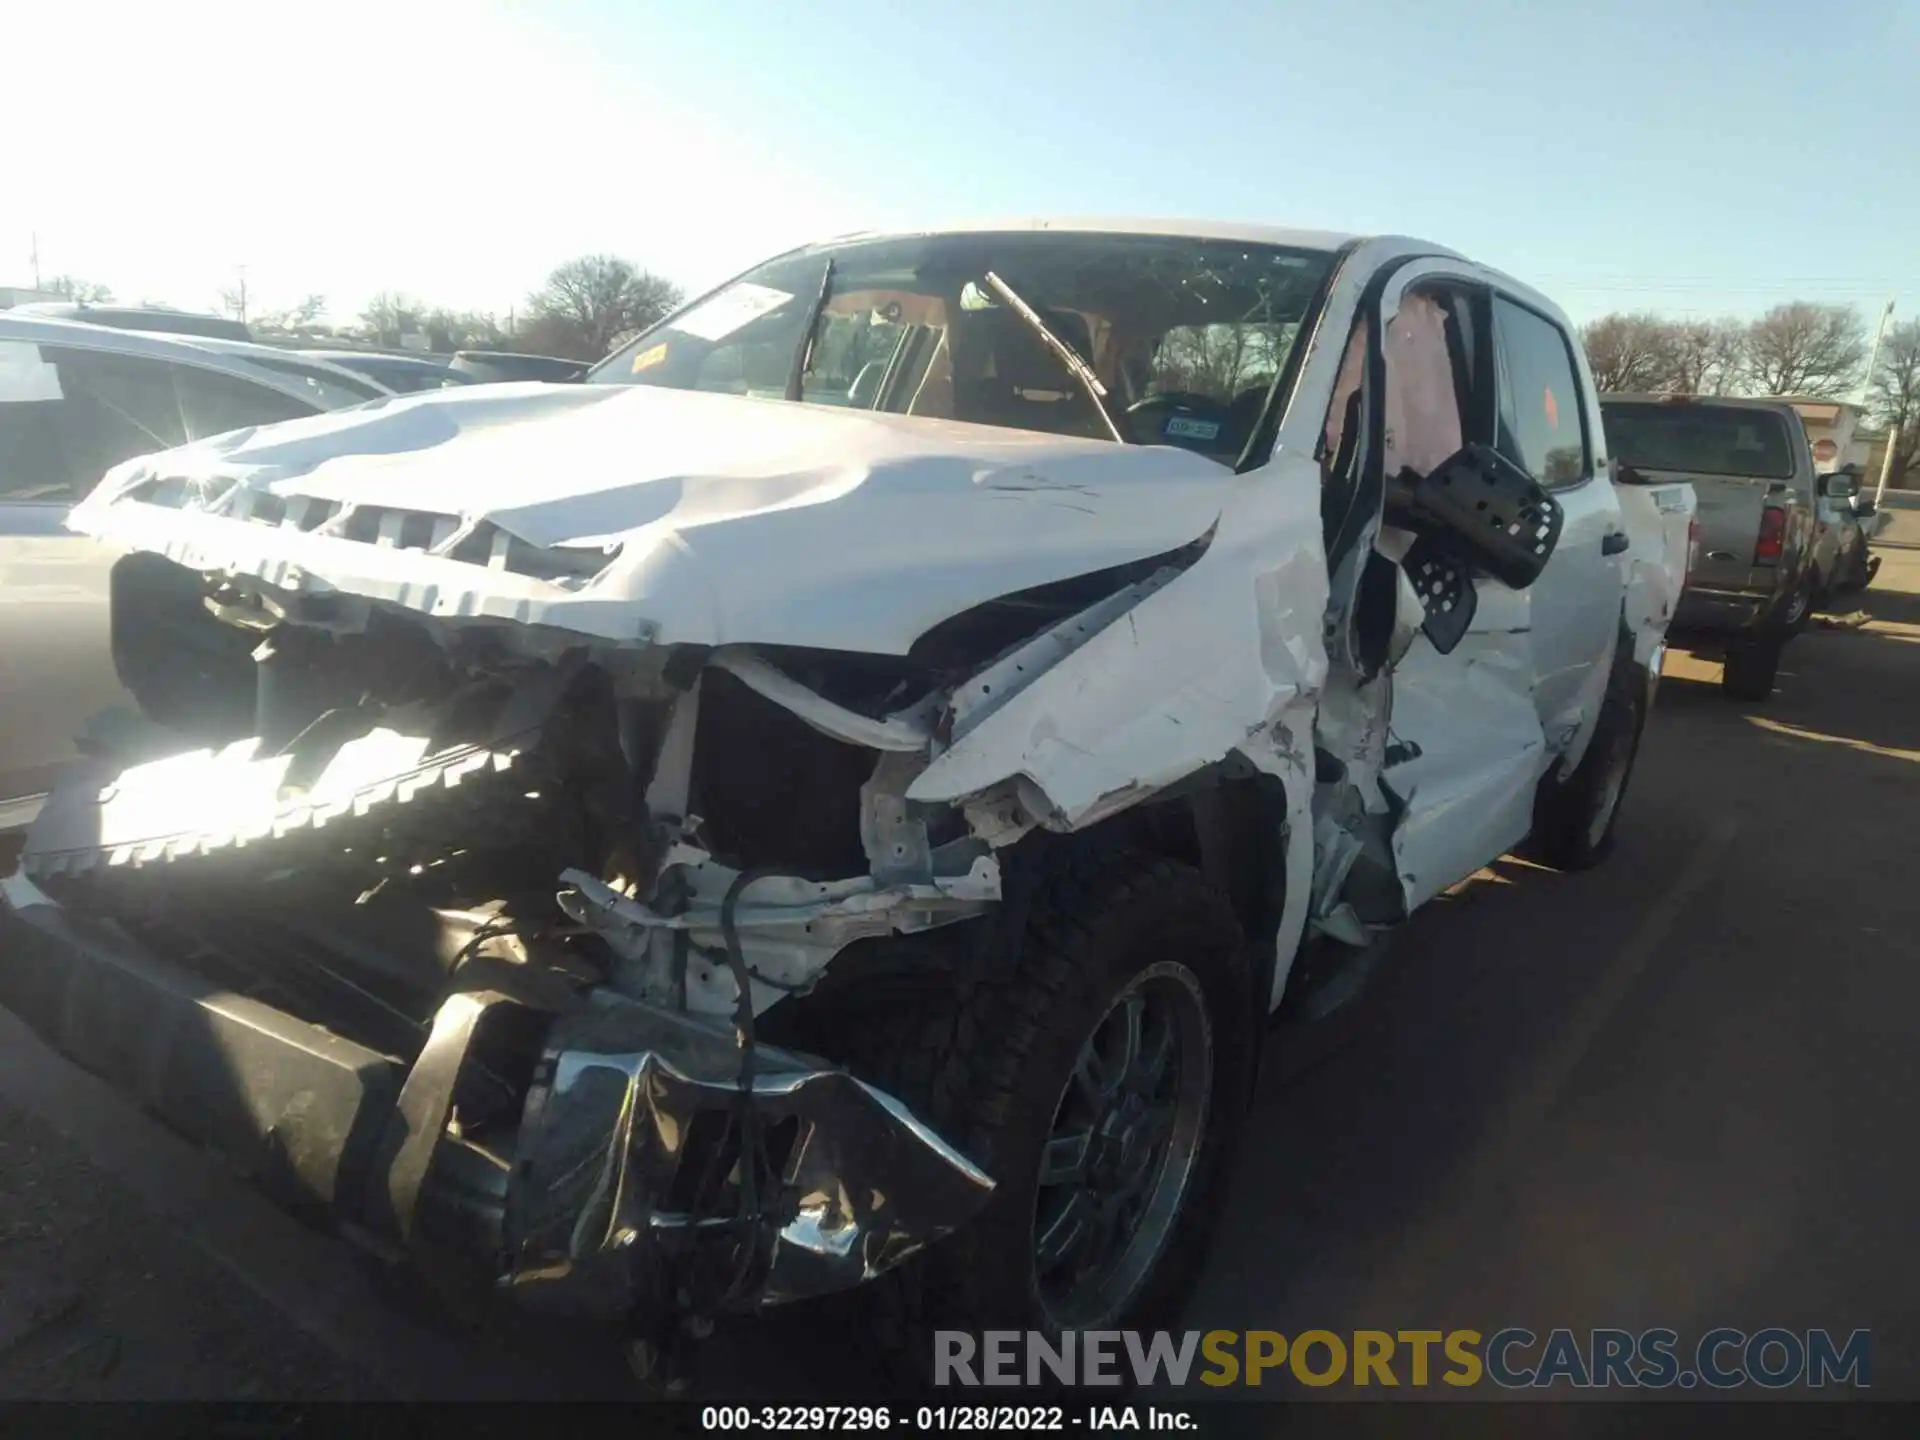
1659 525
1205 664
630 1169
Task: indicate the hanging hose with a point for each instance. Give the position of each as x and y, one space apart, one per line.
747 1119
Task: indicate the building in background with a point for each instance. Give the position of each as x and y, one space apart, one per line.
12 295
1833 429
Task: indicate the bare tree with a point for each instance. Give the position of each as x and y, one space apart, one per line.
1893 398
1220 360
1709 357
448 330
82 292
295 319
1805 349
1630 352
389 316
590 305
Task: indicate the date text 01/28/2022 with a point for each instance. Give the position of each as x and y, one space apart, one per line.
856 1419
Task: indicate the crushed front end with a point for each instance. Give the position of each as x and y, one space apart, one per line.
414 924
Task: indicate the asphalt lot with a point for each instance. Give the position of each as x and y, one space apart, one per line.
1679 1090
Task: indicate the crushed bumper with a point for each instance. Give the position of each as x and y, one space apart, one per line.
604 1204
631 1101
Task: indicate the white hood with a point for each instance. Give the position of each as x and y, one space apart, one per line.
736 520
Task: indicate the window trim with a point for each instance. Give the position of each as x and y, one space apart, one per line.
176 365
1589 467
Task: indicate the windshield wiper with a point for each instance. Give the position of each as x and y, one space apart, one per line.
1071 358
803 348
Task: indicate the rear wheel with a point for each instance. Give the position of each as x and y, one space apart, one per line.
1800 606
1575 818
1751 669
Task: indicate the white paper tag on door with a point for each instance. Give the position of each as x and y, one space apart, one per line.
24 376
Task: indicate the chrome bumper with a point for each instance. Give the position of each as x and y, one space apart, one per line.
606 1201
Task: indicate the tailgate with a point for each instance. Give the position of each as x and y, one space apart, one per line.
1738 457
1729 508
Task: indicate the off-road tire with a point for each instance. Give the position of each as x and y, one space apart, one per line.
1801 606
1097 921
1751 668
1568 811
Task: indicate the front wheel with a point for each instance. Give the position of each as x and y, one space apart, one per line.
1102 1083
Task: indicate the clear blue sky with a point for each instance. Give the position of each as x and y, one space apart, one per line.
1668 154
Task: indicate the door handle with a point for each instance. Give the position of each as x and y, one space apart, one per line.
1614 542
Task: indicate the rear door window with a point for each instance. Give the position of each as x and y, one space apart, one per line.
1542 426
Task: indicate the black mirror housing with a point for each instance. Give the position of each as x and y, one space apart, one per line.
1483 509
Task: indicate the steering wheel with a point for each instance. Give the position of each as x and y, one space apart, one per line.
1202 419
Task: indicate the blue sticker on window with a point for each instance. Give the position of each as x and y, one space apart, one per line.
1183 427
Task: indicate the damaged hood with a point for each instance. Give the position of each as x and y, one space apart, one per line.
642 513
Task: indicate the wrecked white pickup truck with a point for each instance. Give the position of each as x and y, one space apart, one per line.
846 785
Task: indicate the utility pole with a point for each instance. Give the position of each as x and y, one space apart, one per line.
1873 355
36 259
1866 386
243 294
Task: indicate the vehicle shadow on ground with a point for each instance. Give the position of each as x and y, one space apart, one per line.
1842 684
1416 1109
1436 1107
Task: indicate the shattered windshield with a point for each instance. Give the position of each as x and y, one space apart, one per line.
1181 338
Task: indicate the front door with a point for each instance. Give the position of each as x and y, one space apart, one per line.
1473 730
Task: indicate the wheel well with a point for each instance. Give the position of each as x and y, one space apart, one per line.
1229 823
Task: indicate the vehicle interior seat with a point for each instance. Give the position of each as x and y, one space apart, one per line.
1027 386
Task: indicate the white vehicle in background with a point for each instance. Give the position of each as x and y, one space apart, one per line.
839 792
75 400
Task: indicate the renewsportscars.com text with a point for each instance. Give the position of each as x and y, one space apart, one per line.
1512 1358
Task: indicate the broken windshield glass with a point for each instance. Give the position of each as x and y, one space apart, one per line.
1157 339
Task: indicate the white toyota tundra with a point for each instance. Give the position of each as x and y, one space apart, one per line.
839 794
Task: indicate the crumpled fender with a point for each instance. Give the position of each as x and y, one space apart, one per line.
1190 674
1658 519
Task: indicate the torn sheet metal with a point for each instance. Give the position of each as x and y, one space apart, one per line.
691 518
1190 673
862 1184
789 928
1475 755
909 730
1658 521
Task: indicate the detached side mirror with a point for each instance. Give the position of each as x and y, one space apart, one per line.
1483 510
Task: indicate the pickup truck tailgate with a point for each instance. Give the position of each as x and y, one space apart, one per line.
1737 459
1729 510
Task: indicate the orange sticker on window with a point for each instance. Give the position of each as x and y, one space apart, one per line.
1552 408
647 359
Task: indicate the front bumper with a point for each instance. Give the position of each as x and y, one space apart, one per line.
601 1205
